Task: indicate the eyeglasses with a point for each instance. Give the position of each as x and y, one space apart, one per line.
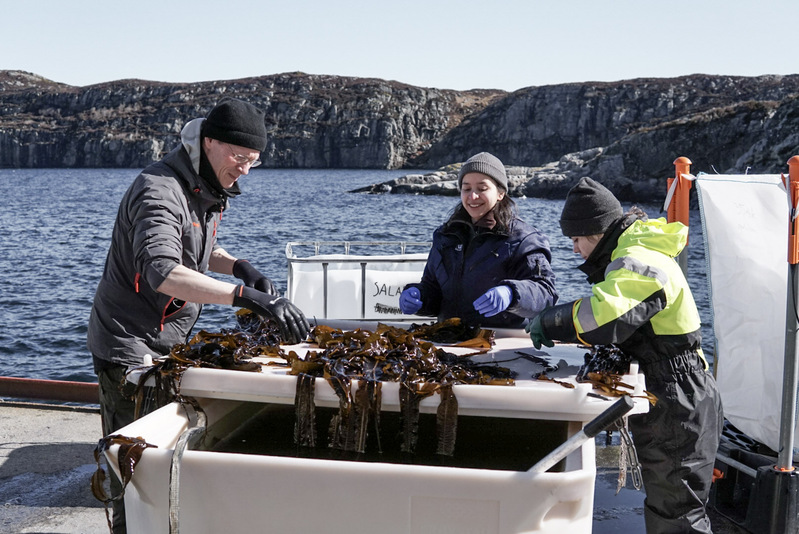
243 160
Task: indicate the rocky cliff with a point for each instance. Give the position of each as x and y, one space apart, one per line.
313 121
625 134
537 125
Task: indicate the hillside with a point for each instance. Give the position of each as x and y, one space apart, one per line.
624 133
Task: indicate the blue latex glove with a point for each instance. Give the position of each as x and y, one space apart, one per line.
409 301
494 301
536 332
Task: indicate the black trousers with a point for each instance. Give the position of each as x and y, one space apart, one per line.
117 409
676 443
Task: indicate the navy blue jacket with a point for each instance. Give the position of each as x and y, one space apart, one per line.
465 261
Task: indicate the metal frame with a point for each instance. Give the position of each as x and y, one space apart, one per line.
773 495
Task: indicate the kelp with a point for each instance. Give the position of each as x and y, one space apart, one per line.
446 420
341 431
604 359
130 451
367 403
344 359
305 414
453 331
543 376
612 385
391 354
604 366
231 349
411 395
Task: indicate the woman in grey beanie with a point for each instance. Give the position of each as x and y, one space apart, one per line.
486 266
641 302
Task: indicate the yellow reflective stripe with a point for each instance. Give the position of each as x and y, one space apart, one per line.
584 316
637 266
630 284
620 293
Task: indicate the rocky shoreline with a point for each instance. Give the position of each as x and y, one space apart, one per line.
552 180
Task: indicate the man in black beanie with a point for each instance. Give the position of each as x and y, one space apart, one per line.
641 303
154 284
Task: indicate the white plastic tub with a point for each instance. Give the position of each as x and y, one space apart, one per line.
350 285
234 492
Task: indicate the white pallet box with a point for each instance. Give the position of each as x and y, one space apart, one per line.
233 492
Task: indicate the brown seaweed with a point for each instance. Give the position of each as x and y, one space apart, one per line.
604 359
341 431
611 384
396 355
447 420
128 456
543 376
305 423
231 349
454 331
411 394
369 357
367 408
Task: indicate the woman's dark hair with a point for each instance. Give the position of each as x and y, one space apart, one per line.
504 212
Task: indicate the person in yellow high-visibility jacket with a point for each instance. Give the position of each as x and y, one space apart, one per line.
640 301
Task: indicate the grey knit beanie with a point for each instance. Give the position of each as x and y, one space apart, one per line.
487 164
238 123
590 209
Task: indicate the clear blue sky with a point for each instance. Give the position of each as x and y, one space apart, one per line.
445 44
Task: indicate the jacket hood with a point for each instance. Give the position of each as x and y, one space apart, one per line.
595 265
191 139
628 232
656 234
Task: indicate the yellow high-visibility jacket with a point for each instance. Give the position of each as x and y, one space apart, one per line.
640 299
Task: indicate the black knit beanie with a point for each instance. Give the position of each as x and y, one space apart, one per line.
238 123
487 164
590 209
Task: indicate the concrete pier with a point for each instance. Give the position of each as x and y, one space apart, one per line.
47 460
46 464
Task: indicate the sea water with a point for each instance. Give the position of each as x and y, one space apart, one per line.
57 225
269 430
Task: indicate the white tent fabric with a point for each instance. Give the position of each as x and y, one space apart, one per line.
745 225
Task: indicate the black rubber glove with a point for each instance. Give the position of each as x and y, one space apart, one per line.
294 327
244 271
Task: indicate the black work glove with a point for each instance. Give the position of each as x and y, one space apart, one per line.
293 325
244 271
